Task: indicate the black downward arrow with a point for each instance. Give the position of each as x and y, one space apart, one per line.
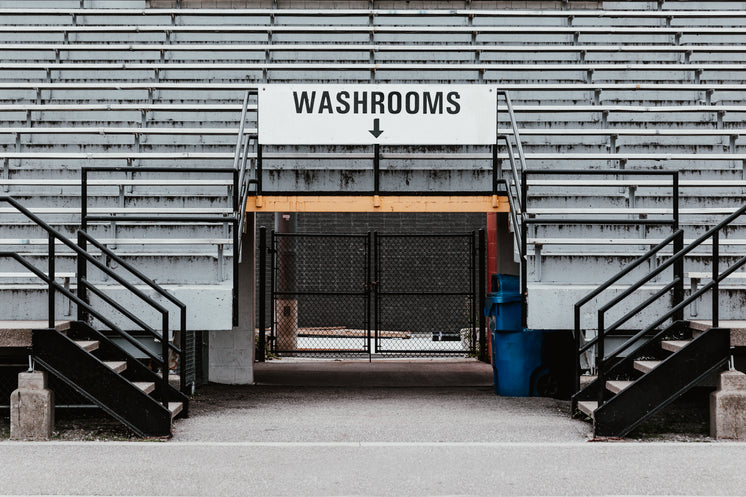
376 131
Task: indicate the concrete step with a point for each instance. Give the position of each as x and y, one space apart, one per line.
175 408
586 380
737 329
18 333
588 407
145 386
646 366
87 345
617 386
674 345
116 366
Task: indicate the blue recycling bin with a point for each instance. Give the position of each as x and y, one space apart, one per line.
516 353
503 303
517 362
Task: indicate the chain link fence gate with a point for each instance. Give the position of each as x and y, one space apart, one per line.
320 294
425 295
374 294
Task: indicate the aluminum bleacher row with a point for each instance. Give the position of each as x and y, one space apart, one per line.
625 89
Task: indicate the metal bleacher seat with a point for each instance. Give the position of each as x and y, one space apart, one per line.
627 88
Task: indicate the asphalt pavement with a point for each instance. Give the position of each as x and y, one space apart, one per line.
415 428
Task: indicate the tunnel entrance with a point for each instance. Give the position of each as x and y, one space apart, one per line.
373 295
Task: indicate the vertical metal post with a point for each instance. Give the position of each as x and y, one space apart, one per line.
262 293
82 264
600 352
259 174
481 296
84 198
474 343
524 261
676 200
237 232
164 355
236 249
272 288
51 281
495 172
377 287
473 277
678 245
578 343
715 276
236 194
376 168
82 276
678 271
368 291
183 347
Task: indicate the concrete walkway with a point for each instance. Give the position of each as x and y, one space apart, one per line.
418 428
381 401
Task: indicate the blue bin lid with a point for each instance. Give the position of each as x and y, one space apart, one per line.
506 283
496 298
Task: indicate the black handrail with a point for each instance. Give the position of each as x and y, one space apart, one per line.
621 274
233 219
673 221
679 303
80 299
155 286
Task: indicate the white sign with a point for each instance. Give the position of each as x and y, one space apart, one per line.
385 114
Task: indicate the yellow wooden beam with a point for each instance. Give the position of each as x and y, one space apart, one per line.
376 203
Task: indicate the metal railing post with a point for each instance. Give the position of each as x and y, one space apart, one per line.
259 165
241 127
82 277
166 362
524 250
715 278
236 248
262 293
183 347
82 266
368 292
578 344
482 288
376 169
84 198
51 277
678 271
600 352
495 171
516 133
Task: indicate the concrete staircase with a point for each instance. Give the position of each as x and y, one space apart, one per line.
639 385
101 372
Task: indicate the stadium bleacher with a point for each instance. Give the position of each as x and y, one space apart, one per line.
626 86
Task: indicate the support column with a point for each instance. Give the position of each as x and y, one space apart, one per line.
728 407
286 302
31 408
231 352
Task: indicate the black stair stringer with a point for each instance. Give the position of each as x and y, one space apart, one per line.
622 366
135 368
90 377
662 385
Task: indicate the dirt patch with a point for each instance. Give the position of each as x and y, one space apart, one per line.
81 425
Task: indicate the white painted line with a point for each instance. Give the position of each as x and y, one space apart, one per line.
144 444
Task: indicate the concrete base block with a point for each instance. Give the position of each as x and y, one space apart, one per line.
728 407
231 357
31 408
